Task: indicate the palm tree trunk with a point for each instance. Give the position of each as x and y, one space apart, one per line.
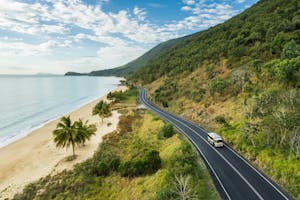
73 150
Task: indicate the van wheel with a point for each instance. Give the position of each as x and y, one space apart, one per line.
214 144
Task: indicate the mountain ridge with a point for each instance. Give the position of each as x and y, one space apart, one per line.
134 65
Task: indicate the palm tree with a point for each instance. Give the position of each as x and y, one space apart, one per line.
102 109
84 131
68 133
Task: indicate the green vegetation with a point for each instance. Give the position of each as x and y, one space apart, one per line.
218 85
132 163
127 96
68 133
221 120
241 78
147 161
266 31
102 109
166 131
198 94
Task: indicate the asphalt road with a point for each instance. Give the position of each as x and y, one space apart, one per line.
234 176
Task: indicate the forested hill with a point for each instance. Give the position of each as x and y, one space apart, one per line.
134 65
242 80
250 39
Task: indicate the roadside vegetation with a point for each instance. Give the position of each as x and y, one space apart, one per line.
145 158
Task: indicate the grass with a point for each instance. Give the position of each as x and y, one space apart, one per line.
138 129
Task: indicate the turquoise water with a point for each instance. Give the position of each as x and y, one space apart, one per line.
28 102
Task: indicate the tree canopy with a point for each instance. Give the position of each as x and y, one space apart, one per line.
102 109
72 134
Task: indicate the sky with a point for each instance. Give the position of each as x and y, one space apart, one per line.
56 36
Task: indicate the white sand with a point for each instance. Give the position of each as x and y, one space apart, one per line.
36 156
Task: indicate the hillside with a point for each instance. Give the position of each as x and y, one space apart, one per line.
241 79
249 39
134 65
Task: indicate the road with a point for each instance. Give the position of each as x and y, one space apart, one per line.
234 177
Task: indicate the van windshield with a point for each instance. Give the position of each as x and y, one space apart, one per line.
219 141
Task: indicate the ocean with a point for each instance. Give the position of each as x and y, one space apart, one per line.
29 102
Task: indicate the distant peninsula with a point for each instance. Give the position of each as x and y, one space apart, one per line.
75 74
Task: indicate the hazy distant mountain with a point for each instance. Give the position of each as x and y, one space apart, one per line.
134 65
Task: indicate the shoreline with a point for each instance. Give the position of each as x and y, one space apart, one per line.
29 130
35 155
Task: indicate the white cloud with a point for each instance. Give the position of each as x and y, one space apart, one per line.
139 13
189 2
204 14
25 49
240 1
156 5
186 8
54 25
119 55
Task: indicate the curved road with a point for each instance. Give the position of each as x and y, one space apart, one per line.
234 177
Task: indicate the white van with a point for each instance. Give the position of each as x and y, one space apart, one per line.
215 139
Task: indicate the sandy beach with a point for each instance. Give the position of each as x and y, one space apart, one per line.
36 156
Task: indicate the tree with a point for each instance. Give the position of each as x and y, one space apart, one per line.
287 70
290 50
68 133
102 109
217 85
241 78
182 188
84 131
167 131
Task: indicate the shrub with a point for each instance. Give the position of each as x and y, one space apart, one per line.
198 95
221 120
166 131
102 169
147 163
287 70
125 123
165 193
114 163
218 85
131 168
165 104
184 160
29 192
152 161
290 50
210 71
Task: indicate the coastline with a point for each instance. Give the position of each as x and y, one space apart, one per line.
29 130
35 155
